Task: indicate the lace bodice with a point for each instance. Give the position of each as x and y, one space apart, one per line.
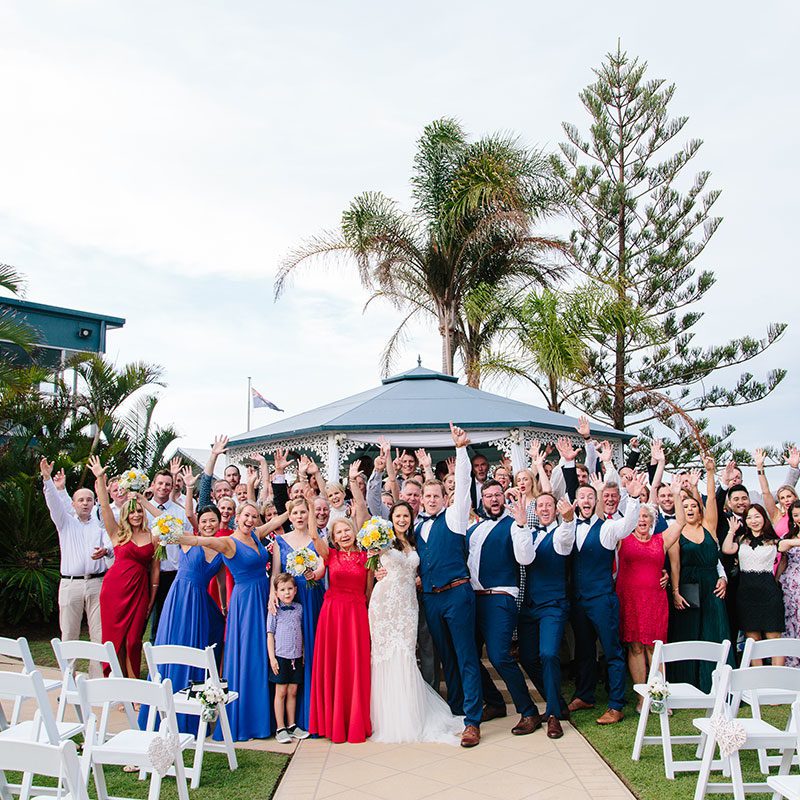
756 559
393 610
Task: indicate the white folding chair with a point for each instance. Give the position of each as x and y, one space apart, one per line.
42 728
67 653
56 761
159 655
758 733
788 786
133 746
19 649
755 650
681 695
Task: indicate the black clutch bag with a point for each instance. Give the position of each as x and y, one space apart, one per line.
197 686
690 592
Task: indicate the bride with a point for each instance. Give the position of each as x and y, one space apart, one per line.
403 707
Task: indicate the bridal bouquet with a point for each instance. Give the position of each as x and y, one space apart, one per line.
169 530
658 691
133 481
376 534
298 561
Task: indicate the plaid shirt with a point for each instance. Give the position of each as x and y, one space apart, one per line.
287 628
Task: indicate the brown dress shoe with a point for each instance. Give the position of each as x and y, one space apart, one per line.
610 717
492 712
579 705
527 725
554 729
471 736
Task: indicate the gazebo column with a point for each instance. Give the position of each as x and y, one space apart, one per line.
333 458
519 459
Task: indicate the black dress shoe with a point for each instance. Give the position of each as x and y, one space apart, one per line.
493 712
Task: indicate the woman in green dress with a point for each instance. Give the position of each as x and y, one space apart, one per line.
698 586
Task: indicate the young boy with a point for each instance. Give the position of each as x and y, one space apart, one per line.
285 648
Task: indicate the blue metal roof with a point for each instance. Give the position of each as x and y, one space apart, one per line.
419 399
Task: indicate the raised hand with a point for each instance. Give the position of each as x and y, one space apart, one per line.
657 451
281 462
636 484
794 457
189 478
396 460
46 468
536 454
174 466
423 458
355 469
505 463
597 483
302 465
451 465
565 509
759 456
311 467
734 524
694 477
634 443
708 463
252 475
566 449
520 512
95 466
460 438
604 452
220 445
60 479
380 462
583 426
310 496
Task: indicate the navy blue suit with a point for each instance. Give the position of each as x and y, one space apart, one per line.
494 565
595 610
542 620
450 612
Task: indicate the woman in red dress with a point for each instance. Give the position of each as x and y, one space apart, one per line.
340 678
643 606
129 587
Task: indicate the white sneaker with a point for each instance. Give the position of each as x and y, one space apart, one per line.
282 736
298 732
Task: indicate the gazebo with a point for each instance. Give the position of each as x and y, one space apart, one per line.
411 410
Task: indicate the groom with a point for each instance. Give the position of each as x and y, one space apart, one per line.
447 595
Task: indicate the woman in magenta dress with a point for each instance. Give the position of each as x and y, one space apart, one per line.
340 679
643 605
129 587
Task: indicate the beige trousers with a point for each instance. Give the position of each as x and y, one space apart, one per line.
74 596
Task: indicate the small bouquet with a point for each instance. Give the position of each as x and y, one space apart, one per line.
300 560
210 698
658 692
376 534
169 530
133 481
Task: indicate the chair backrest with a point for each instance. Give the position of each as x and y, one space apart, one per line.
732 682
17 648
105 691
56 760
21 684
155 655
769 648
716 652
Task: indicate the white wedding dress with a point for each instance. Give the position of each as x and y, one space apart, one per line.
403 708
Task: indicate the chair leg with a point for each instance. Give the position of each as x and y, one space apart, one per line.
666 744
698 753
180 779
199 749
155 786
705 768
26 785
737 784
100 781
227 737
640 730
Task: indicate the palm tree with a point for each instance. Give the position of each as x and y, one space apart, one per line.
13 331
146 442
470 227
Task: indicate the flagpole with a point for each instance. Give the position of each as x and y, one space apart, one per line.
249 403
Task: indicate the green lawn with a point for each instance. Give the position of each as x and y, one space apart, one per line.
646 778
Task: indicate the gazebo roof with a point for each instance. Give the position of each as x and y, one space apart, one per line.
419 399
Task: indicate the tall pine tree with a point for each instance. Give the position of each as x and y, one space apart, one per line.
641 225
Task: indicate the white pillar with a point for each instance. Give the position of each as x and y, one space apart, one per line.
333 459
518 458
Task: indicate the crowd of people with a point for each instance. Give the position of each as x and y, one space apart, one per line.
523 564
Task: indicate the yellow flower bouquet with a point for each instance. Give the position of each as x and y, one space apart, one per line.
376 535
169 530
300 560
132 480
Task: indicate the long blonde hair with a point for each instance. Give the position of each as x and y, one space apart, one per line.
125 534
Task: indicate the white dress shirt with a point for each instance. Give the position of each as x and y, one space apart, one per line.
457 515
521 540
77 539
613 531
170 563
563 538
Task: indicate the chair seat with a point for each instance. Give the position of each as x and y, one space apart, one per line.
24 731
770 697
124 746
752 727
680 692
787 785
186 705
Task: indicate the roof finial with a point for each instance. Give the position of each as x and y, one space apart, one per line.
419 361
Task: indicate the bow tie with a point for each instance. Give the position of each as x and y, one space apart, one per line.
582 521
668 516
285 607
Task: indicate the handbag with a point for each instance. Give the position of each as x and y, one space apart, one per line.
690 592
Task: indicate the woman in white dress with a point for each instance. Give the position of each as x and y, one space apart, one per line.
403 707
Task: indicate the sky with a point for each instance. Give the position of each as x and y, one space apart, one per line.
159 160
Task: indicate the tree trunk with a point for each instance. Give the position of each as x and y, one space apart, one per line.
618 409
554 405
446 332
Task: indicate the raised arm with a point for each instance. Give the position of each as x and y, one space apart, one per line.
207 478
729 545
320 545
189 480
769 501
391 475
375 504
458 512
614 531
658 458
265 493
425 461
174 469
55 505
673 531
360 511
537 465
219 544
710 512
279 488
101 487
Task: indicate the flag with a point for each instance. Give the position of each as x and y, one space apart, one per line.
259 401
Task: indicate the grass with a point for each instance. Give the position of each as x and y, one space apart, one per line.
645 778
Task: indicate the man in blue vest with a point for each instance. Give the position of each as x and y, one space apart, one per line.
496 547
595 607
545 607
447 596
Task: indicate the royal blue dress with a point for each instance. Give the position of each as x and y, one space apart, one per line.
246 665
311 600
189 618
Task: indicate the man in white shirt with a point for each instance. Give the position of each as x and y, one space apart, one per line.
86 551
162 489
